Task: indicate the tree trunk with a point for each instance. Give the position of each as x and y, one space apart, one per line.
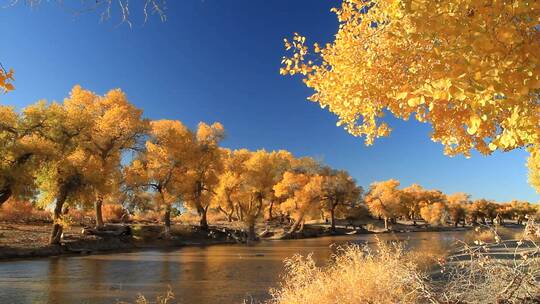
167 221
203 221
385 223
99 215
5 194
57 230
251 231
333 219
229 215
270 215
296 223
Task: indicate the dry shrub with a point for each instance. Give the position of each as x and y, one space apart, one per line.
149 216
189 218
216 217
488 280
484 276
22 212
360 275
357 275
491 235
81 217
532 231
167 298
114 213
192 218
481 235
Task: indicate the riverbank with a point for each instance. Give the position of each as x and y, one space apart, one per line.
31 241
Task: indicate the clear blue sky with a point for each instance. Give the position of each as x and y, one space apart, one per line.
218 60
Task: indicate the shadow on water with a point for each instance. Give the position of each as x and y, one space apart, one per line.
213 274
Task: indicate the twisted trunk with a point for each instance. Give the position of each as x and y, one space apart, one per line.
333 218
5 194
57 230
297 223
99 215
203 221
167 221
252 236
270 214
229 215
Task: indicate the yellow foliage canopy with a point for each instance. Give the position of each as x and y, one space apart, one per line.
469 68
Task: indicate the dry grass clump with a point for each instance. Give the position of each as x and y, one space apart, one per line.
489 280
532 231
148 216
491 235
22 212
358 274
192 218
81 217
498 273
114 213
167 298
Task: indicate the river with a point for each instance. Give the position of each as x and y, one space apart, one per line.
205 275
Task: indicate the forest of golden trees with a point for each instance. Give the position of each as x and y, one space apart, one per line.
91 151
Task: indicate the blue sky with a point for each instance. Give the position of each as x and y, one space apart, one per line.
218 60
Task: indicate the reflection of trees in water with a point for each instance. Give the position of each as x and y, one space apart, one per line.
96 277
56 280
226 274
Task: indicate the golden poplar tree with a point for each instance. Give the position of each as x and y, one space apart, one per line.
69 172
384 200
203 171
303 192
246 185
457 207
228 191
161 168
117 126
22 147
340 190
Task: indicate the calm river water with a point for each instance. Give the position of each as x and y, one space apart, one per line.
212 274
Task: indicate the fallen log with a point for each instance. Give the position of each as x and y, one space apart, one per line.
104 232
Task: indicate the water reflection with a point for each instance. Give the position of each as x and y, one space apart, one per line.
215 274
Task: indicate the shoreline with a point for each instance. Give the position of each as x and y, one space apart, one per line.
83 247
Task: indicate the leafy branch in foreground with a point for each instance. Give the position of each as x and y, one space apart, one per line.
468 68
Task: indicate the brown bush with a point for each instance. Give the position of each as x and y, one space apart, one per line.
81 217
114 213
361 275
357 275
149 216
22 212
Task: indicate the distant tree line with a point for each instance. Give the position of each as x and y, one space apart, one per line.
91 150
